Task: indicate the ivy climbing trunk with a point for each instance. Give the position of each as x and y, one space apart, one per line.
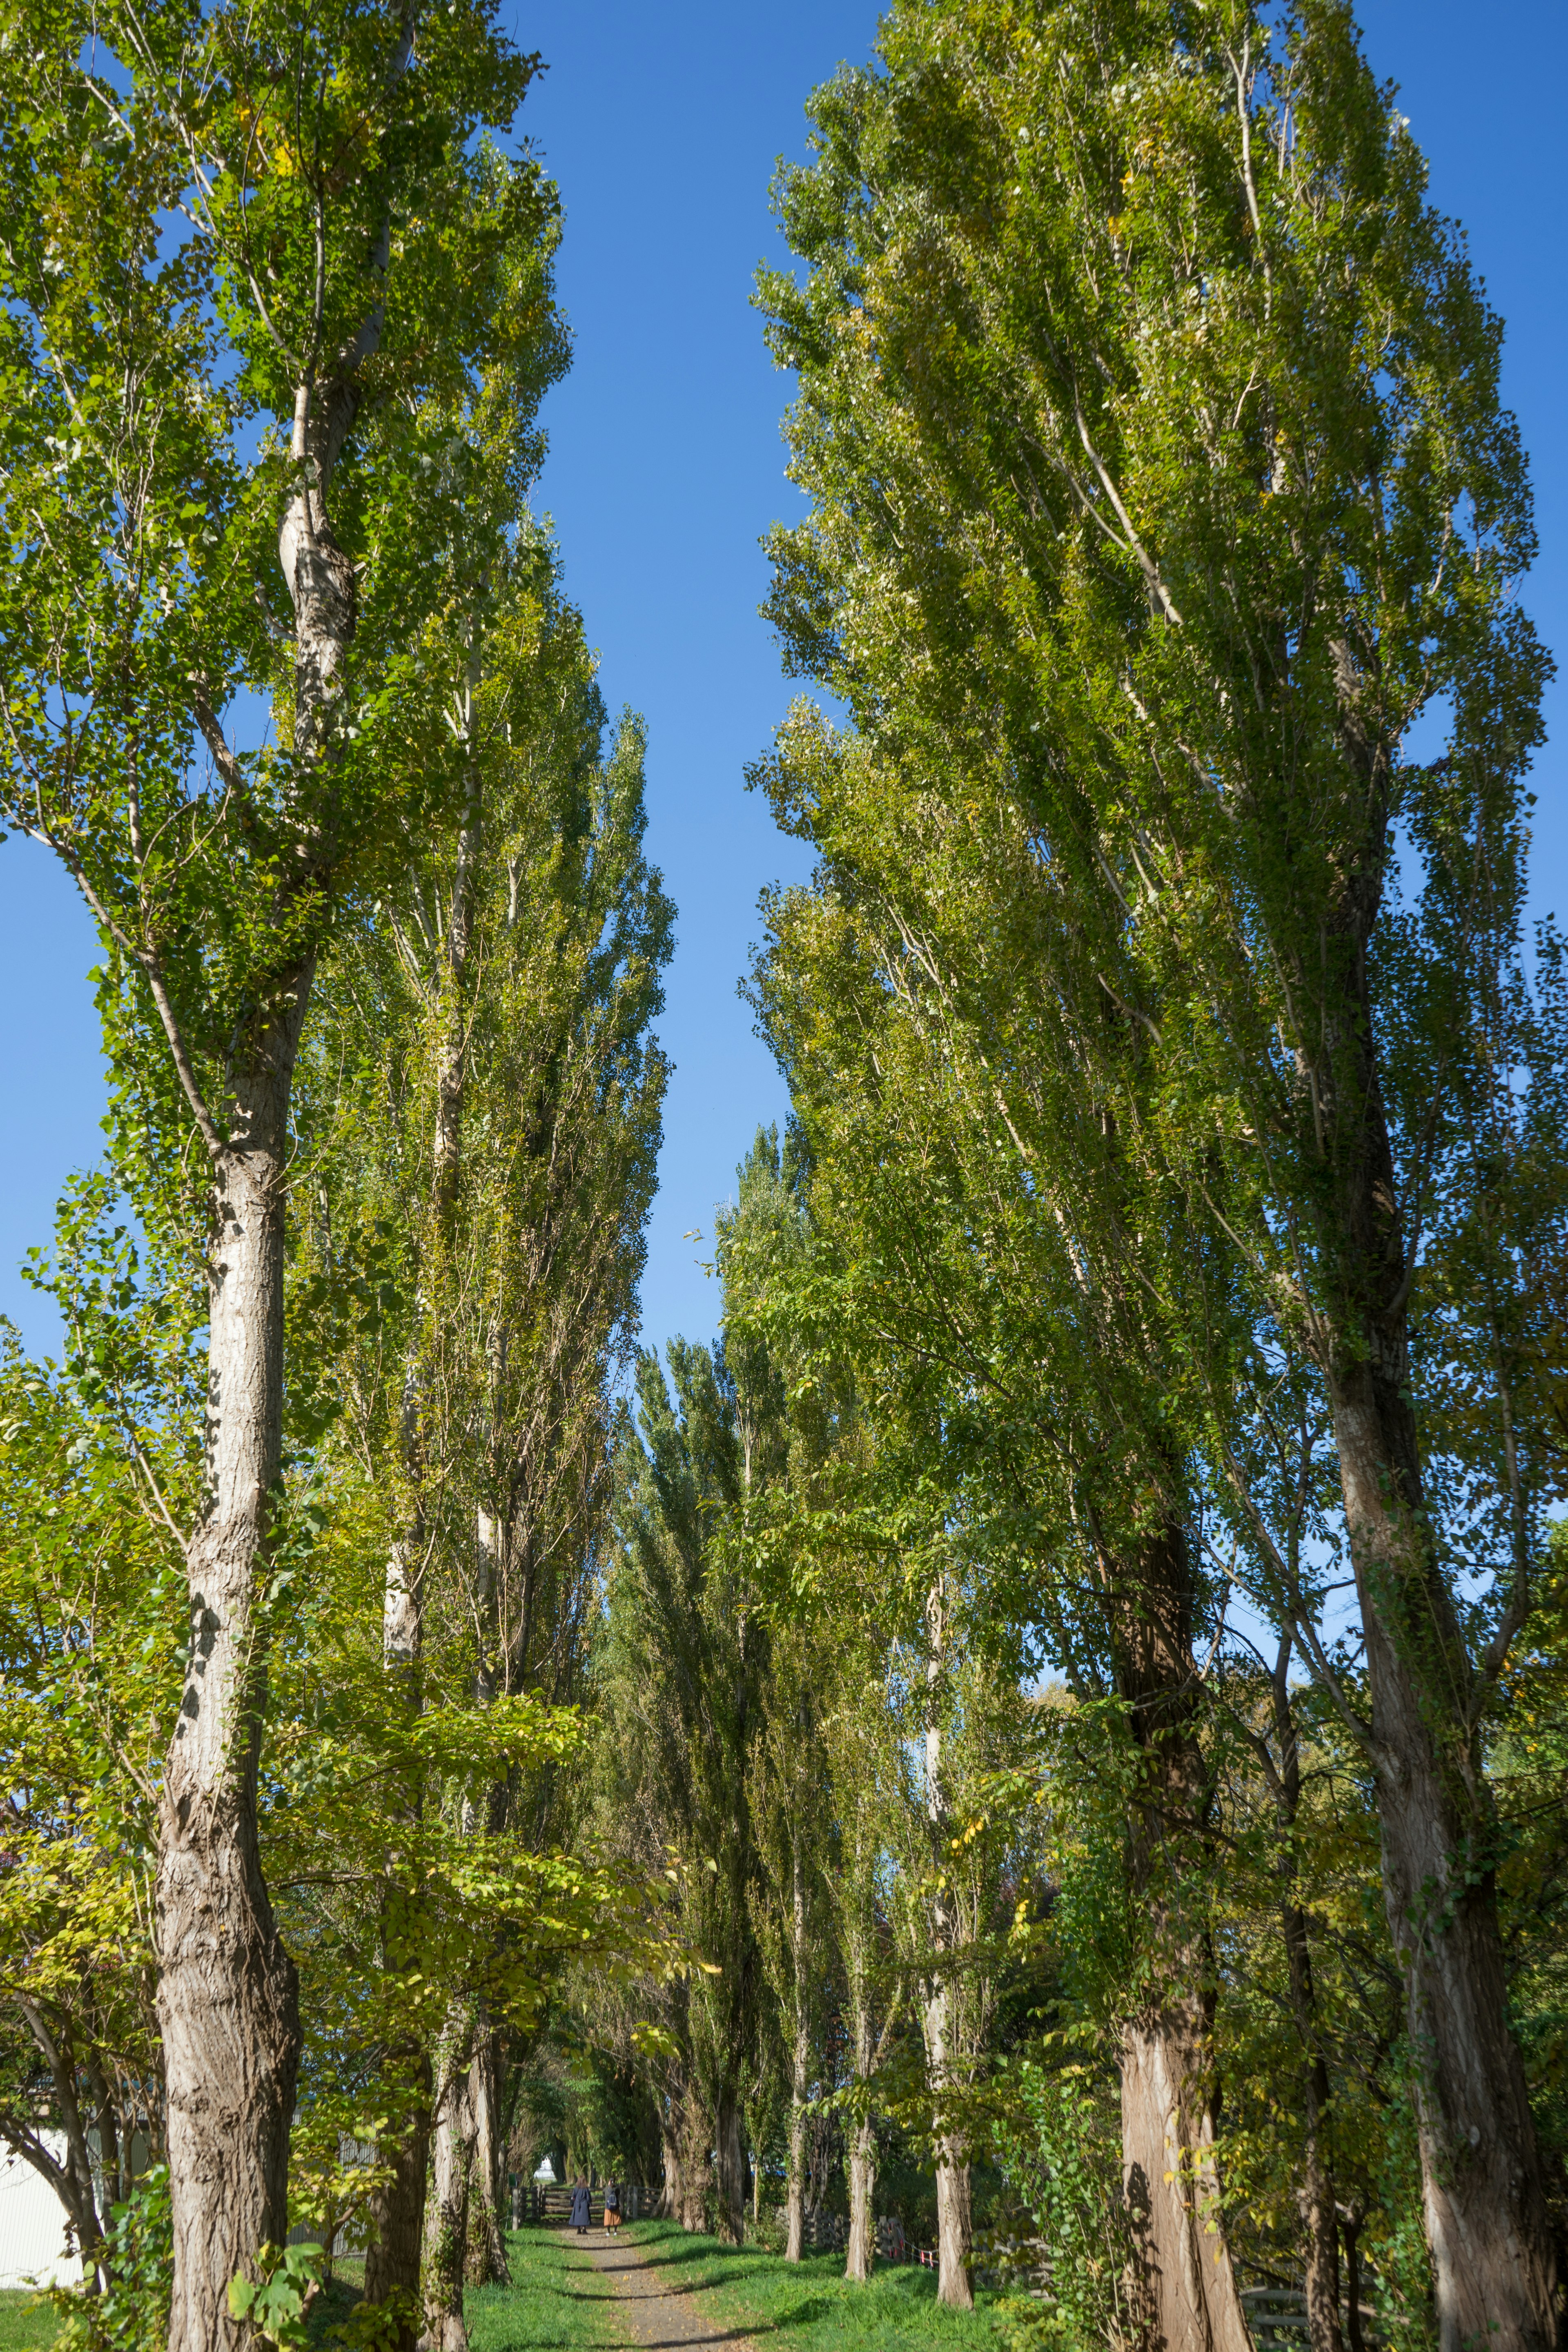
485 2261
447 2212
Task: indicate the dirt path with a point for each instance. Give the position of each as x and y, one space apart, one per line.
655 2315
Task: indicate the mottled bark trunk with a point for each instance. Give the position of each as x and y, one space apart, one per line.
729 2167
1186 2291
393 2257
860 2251
954 2228
485 2264
1493 2258
671 2196
696 2126
954 2224
800 2059
795 2186
446 2215
227 1995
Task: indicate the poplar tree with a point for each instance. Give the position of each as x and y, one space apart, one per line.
482 1098
1150 417
240 249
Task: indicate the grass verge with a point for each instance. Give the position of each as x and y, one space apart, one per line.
26 2323
557 2302
810 2306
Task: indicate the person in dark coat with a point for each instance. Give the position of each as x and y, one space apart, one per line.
582 2206
612 2205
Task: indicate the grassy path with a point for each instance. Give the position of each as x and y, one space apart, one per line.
741 2293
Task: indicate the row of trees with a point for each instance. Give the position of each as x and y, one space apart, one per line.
1060 1710
300 1539
1179 1305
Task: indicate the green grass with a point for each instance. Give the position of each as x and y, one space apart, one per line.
557 2302
26 2323
810 2306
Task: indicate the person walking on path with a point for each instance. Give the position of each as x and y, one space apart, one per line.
612 2205
582 2206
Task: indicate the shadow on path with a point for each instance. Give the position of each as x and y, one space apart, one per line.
659 2319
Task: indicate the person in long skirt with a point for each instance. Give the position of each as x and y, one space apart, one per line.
582 2206
612 2205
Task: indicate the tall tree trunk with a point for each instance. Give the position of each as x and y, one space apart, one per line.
695 2126
446 2216
485 2264
954 2219
1187 2288
860 2251
730 2168
1315 2194
800 2059
1493 2256
393 2257
671 2193
228 1994
1493 2260
394 2252
795 2185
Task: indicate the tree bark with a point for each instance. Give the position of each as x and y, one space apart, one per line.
671 2193
1186 2288
730 2168
800 2059
954 2224
485 2264
447 2217
795 2186
227 1993
860 2251
954 2219
693 2167
1493 2260
393 2257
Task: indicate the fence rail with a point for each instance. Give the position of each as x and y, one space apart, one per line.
551 2202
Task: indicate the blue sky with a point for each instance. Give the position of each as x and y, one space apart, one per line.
661 125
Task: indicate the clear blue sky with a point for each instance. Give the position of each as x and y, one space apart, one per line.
661 125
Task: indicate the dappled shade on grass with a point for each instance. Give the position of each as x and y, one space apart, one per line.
557 2302
810 2303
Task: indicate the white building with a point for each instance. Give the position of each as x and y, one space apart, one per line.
33 2225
